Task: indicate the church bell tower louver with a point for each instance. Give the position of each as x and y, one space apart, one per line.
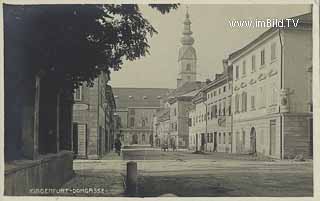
187 60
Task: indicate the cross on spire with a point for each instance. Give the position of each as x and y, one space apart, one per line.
187 12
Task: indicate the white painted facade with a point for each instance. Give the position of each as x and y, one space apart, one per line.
211 120
270 94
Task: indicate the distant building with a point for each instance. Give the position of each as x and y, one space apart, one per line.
272 104
93 121
162 127
136 108
211 116
178 101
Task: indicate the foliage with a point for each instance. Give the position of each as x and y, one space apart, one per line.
74 43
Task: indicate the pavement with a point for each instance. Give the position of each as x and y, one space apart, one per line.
187 174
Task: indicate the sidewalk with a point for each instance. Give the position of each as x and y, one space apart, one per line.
112 156
87 183
97 178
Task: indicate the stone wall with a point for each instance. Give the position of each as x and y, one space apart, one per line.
50 171
297 139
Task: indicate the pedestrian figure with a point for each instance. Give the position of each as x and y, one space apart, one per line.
174 148
118 145
165 147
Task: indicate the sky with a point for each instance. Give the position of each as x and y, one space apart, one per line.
214 41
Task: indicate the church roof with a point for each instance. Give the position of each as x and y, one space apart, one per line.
139 97
185 89
187 51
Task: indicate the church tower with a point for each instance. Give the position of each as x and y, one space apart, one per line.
187 60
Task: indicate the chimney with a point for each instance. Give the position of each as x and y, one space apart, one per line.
225 65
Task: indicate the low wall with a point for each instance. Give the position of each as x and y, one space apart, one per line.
49 171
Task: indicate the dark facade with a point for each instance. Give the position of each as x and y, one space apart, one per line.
38 119
93 119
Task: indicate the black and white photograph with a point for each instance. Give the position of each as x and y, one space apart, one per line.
153 100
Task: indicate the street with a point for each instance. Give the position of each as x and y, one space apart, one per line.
188 174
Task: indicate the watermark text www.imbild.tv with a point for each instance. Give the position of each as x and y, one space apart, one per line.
267 23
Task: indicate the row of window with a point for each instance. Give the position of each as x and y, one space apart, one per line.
253 61
214 113
143 122
221 138
262 99
217 92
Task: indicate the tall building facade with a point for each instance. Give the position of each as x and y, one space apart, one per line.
161 128
93 121
211 116
272 104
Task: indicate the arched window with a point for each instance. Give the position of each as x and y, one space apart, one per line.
188 68
143 123
143 138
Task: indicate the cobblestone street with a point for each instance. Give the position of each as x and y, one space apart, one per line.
187 174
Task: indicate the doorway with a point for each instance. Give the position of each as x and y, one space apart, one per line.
197 142
272 151
202 141
75 138
151 140
238 145
135 139
253 141
215 145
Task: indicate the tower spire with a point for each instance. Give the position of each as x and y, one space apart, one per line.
187 39
187 59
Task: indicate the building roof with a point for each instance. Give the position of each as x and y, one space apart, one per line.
139 97
303 19
186 88
191 94
307 17
163 114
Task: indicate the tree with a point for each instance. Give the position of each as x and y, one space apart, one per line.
75 43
